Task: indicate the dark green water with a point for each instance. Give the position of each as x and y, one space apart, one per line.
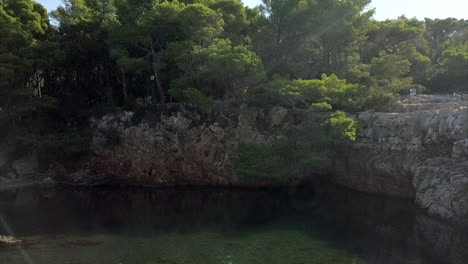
178 226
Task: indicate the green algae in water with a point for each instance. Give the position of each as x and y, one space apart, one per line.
141 226
256 246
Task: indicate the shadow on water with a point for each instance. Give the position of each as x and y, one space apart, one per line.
249 223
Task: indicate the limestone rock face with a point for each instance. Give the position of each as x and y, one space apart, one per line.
442 187
375 171
177 148
420 152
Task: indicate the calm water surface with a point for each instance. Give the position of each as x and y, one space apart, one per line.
178 226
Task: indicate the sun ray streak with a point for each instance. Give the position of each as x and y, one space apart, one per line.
9 232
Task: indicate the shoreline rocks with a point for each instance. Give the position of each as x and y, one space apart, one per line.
418 154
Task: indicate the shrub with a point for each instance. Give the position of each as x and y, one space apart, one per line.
301 93
288 159
258 164
341 128
380 101
269 94
182 92
321 107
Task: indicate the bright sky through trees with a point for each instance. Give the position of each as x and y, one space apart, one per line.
420 8
384 8
412 8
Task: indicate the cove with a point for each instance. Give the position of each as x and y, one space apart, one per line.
179 225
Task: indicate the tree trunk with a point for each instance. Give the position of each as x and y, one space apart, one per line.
124 88
156 76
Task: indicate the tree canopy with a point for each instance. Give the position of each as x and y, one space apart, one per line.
324 54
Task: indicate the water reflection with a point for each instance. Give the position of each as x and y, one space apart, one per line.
378 229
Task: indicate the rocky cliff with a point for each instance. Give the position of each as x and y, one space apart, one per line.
418 151
180 145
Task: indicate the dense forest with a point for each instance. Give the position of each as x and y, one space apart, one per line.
58 69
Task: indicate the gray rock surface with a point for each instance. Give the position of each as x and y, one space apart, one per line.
442 187
179 147
417 152
420 153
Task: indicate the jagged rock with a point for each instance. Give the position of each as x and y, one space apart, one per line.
180 148
278 115
460 148
375 171
392 156
442 187
419 154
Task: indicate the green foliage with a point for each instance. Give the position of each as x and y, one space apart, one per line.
290 159
182 92
380 101
321 107
23 24
284 160
303 39
26 53
337 92
194 95
343 95
452 75
444 34
307 90
390 71
341 128
220 69
270 94
258 164
292 53
236 20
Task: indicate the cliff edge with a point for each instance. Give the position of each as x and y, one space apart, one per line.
420 151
